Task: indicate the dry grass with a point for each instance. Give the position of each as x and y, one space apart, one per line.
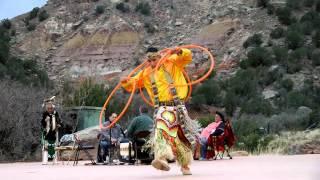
287 142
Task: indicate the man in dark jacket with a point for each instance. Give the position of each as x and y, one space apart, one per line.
141 123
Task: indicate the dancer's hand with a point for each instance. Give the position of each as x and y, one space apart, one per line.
176 50
124 79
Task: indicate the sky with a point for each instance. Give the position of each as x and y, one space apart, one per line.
12 8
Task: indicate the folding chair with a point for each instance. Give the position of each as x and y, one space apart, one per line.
138 141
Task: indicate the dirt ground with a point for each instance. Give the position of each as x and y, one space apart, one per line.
298 167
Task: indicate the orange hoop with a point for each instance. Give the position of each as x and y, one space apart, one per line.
122 112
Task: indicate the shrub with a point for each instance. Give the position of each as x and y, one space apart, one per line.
33 13
150 28
89 94
284 15
205 121
211 91
4 51
230 102
257 105
277 33
43 15
287 84
294 39
267 76
271 9
3 70
244 83
259 56
143 8
254 40
307 28
314 119
308 3
296 99
99 9
316 57
197 100
31 27
316 39
280 53
294 4
6 23
263 3
123 7
13 32
318 6
309 16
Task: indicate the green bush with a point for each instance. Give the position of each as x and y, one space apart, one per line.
230 102
244 83
284 15
293 66
90 94
197 100
308 3
3 70
257 105
33 13
280 53
150 28
211 91
123 7
277 33
259 56
4 51
294 39
287 84
31 27
205 121
316 57
271 9
267 76
318 6
314 118
6 23
43 15
309 16
296 99
144 8
294 4
254 40
263 3
307 28
316 39
99 9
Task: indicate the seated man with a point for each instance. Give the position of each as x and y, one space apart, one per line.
139 129
214 129
141 123
108 138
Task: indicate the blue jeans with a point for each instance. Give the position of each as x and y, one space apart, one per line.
204 144
103 151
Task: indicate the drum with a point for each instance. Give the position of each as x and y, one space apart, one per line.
126 151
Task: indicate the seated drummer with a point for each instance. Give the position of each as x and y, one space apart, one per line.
141 123
108 138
